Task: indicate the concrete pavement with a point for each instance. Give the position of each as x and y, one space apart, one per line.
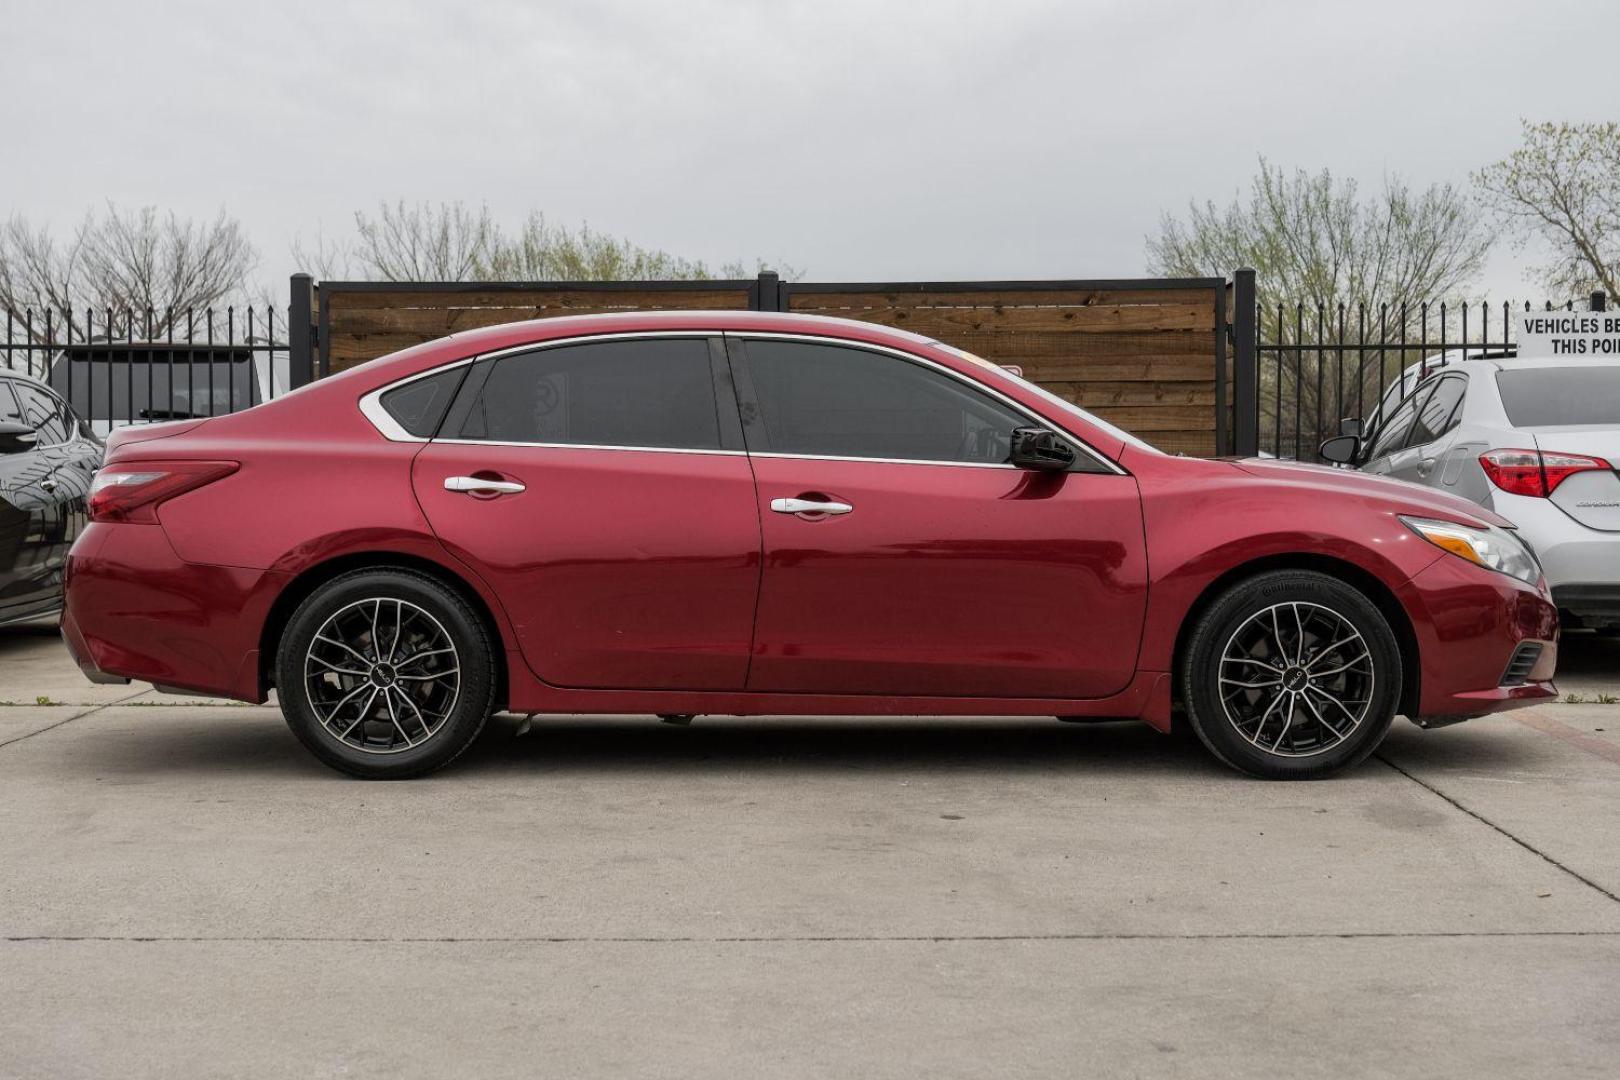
184 891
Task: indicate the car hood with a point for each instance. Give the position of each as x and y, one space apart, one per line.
1400 496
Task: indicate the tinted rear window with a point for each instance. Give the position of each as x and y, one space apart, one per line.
1537 397
649 392
419 407
157 386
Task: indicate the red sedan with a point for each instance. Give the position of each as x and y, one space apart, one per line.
744 513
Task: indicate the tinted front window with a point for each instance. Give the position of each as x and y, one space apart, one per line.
1393 435
1537 397
419 407
10 411
45 414
1439 412
656 393
844 402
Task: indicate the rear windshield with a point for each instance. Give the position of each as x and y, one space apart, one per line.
161 386
1538 397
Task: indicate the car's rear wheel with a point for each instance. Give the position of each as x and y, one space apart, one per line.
385 674
1291 675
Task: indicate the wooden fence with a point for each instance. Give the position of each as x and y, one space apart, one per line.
1147 355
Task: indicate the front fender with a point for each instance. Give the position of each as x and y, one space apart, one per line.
1206 520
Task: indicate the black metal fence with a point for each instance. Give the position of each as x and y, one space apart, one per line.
1301 368
132 367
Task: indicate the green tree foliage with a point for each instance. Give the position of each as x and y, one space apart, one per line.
1319 244
1316 239
1562 187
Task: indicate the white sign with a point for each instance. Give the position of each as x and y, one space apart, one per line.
1569 333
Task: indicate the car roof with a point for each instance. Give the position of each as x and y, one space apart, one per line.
22 376
720 321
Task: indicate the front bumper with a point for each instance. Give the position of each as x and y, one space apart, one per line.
1469 623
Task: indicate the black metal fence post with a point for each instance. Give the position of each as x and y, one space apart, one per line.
1600 301
301 332
766 293
1245 367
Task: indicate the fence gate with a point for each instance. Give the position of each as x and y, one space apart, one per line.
1300 368
1148 355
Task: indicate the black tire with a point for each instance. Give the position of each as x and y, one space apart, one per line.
1320 740
467 698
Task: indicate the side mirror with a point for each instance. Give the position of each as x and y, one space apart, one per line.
1351 425
16 438
1038 448
1341 449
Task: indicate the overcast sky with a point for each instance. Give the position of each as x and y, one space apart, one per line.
856 141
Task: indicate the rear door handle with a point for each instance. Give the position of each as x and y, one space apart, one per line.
473 484
809 506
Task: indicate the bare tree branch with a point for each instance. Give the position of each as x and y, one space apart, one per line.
125 261
453 242
1562 186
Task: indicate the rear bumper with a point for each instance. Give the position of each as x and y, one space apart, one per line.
135 610
1595 605
80 652
1469 623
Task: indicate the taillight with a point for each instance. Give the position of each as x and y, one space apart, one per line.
1536 473
132 492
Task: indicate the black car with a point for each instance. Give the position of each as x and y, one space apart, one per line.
47 457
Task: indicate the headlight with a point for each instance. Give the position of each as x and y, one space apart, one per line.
1490 547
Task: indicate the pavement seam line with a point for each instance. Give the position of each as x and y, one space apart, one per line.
1483 820
764 939
67 720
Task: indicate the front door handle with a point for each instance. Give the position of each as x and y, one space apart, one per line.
809 506
473 485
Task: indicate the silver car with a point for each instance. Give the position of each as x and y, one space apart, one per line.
1536 440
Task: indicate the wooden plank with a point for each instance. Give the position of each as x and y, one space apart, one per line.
1063 345
1114 317
1194 443
1116 369
1100 394
835 303
599 299
440 321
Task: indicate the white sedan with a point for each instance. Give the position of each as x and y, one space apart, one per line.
1536 440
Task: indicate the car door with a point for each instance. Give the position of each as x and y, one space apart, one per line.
904 556
43 490
18 523
601 492
1434 431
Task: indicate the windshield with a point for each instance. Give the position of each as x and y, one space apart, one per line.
1541 396
1067 406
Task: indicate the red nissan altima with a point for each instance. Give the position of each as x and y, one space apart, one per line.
744 513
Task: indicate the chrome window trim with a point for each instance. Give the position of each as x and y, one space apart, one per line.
593 446
371 403
820 339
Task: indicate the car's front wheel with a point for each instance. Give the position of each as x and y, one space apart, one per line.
1291 674
385 674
